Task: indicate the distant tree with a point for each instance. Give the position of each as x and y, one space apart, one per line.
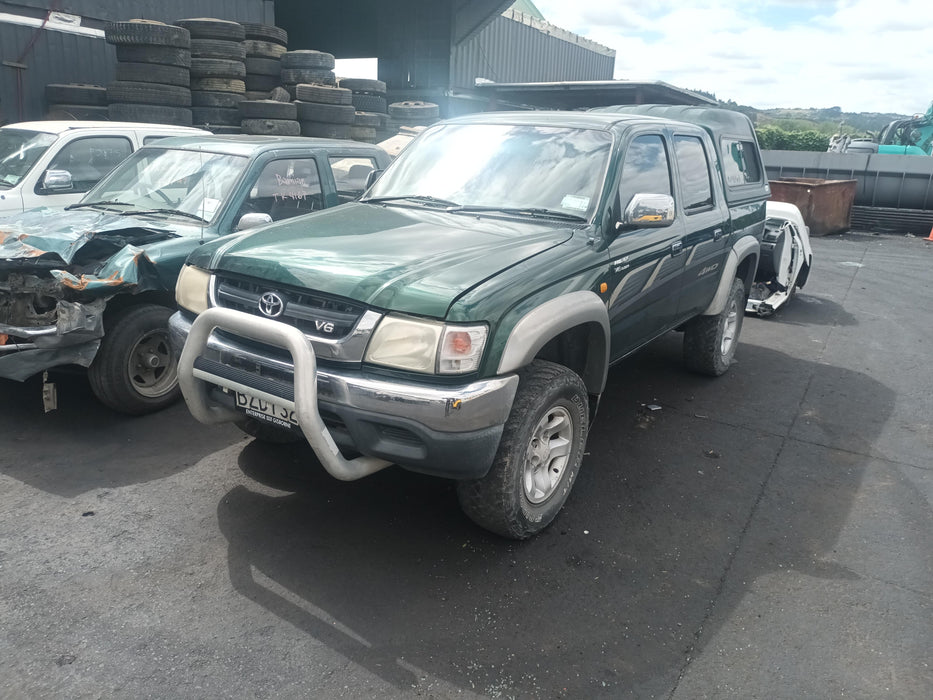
772 138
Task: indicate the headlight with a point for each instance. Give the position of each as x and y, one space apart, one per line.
191 289
423 346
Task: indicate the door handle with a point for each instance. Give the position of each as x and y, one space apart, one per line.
677 247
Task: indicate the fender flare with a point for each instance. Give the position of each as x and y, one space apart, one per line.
550 319
743 248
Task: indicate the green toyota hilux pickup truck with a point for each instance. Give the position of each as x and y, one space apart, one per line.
460 319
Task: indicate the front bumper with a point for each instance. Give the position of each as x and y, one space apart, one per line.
450 431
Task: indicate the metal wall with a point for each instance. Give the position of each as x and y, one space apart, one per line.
64 57
893 193
512 51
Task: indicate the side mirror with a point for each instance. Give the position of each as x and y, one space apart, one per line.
648 211
57 181
252 220
372 177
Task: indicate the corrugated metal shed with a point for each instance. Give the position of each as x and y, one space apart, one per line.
63 54
517 48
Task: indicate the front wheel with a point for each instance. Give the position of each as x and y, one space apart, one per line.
538 458
136 369
710 341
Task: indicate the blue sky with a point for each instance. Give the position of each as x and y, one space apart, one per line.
860 55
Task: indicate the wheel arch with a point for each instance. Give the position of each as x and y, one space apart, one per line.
572 330
742 262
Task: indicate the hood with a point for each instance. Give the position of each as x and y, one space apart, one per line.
75 236
395 258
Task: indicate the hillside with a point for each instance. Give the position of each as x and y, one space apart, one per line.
826 121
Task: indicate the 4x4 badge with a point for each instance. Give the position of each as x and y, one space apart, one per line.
271 305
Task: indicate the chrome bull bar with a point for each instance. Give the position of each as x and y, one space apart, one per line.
194 383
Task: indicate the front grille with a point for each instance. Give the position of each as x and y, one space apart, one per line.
312 313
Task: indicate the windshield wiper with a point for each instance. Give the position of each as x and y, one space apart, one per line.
177 212
423 198
103 203
521 211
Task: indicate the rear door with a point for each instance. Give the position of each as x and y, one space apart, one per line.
706 221
645 264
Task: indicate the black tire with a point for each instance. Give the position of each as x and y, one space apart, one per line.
161 55
152 73
271 127
527 485
136 369
66 112
413 109
148 94
364 85
218 48
366 134
256 95
265 83
144 32
280 94
263 49
154 114
306 58
370 119
268 433
323 94
218 85
204 98
219 116
330 114
211 28
325 131
265 32
94 95
220 128
312 76
369 103
268 109
256 65
710 342
217 68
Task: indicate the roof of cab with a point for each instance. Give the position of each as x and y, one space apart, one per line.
579 120
249 145
61 126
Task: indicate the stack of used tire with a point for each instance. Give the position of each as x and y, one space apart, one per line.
325 111
218 70
152 74
269 117
369 97
412 113
265 45
75 101
307 67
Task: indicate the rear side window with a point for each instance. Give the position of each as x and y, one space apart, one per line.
693 165
740 162
646 169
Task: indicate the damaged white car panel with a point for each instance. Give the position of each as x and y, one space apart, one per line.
786 259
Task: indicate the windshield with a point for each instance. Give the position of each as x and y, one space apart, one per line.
19 151
502 166
195 183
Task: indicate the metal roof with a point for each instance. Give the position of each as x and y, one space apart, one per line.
583 94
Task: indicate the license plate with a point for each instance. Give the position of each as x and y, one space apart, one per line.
266 411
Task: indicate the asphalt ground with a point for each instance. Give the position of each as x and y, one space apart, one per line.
767 534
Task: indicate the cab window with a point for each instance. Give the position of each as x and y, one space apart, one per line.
285 188
645 169
740 162
350 176
89 159
693 166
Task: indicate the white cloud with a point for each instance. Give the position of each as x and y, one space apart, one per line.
861 55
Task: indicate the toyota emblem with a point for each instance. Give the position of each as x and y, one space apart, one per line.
271 305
